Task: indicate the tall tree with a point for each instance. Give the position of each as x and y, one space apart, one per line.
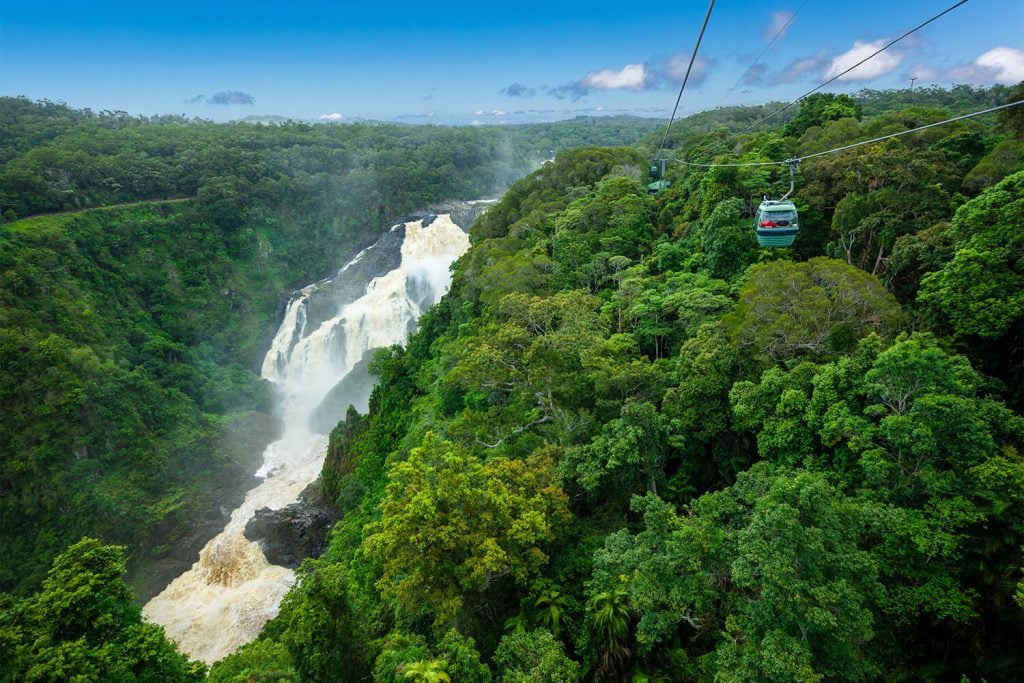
453 525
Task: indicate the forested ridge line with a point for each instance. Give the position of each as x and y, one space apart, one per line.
631 445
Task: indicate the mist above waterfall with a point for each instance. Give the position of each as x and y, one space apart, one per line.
320 352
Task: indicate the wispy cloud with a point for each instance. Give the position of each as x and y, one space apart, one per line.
777 23
877 66
671 71
231 97
755 75
797 69
333 117
228 97
573 91
518 90
634 77
425 115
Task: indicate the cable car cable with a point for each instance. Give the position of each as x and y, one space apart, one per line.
693 58
840 75
855 144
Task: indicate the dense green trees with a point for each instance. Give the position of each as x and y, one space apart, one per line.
630 445
786 310
824 495
123 407
980 290
452 525
766 575
82 626
818 108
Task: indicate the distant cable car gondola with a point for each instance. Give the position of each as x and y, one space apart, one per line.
776 221
659 184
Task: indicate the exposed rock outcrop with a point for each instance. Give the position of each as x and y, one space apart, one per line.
297 531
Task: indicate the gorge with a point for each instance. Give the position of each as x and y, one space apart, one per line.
330 329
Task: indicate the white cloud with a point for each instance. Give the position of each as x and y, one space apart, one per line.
478 112
476 122
1003 65
779 22
629 77
499 112
875 67
1006 62
335 116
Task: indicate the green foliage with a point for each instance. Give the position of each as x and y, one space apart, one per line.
600 329
116 390
426 671
818 108
548 187
261 661
82 626
399 651
523 370
727 240
812 309
145 320
408 657
452 525
908 428
980 291
316 624
533 657
462 659
772 562
629 447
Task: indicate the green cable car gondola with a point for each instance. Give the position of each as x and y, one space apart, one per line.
657 186
776 221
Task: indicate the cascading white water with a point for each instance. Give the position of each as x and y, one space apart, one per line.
224 600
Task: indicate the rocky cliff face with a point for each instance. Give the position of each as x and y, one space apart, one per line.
296 531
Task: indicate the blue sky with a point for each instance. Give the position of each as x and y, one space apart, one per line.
483 63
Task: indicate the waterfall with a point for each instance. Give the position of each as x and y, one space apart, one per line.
224 600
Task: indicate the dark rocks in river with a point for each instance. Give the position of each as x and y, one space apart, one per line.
295 532
464 214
